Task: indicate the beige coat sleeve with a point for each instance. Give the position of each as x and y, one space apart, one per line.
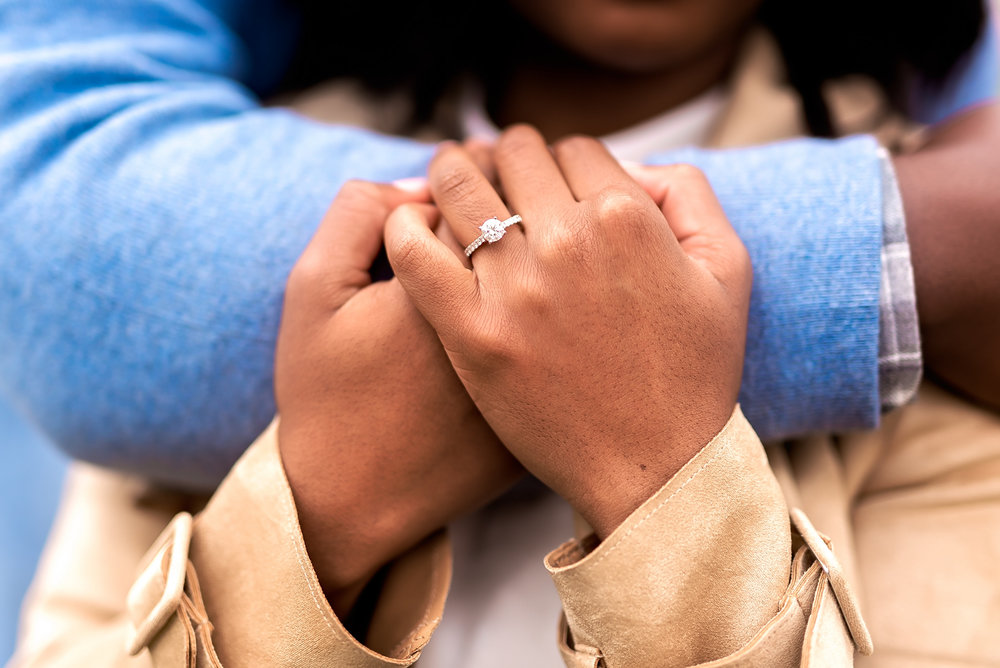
232 587
74 614
708 572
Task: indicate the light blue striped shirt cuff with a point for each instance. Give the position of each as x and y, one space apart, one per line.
900 363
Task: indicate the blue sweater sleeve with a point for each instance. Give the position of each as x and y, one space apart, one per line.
151 210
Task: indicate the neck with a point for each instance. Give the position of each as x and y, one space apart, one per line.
561 96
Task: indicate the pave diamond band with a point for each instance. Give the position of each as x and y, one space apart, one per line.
491 230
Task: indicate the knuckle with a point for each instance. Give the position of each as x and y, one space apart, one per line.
567 243
522 131
733 268
534 299
311 281
456 181
493 348
309 271
361 191
620 209
360 188
407 251
357 196
743 266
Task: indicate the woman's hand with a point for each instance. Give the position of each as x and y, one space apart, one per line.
602 344
380 441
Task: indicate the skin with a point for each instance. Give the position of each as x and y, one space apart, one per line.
640 36
346 344
380 442
598 54
951 198
590 340
591 55
380 453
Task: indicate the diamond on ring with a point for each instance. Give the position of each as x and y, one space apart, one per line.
492 231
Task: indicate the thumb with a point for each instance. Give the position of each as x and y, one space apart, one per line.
442 288
350 234
335 264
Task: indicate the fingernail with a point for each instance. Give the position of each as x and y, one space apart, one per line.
414 184
631 165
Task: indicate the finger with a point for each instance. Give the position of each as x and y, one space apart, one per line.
589 168
650 178
447 237
441 287
335 263
696 218
481 152
466 200
351 229
531 179
598 179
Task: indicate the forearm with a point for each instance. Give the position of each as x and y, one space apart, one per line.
151 213
952 199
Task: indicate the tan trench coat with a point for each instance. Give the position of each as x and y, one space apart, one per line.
721 567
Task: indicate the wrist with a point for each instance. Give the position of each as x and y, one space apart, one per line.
621 486
347 529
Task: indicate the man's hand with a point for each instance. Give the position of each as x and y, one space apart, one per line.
603 343
381 444
951 196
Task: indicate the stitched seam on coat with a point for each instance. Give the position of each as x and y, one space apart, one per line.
722 447
781 624
289 507
312 592
418 634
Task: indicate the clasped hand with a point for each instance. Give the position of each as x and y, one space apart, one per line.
599 345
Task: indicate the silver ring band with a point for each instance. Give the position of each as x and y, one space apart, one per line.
492 231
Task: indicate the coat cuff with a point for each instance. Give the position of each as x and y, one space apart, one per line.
690 576
236 587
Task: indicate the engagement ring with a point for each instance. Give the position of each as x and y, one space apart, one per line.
492 230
